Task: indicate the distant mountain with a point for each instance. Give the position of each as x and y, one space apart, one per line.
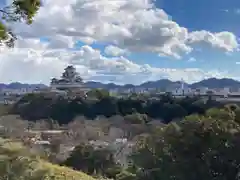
165 83
161 84
216 83
93 84
17 85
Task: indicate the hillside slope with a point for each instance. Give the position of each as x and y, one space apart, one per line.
16 162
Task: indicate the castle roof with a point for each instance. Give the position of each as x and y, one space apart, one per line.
69 67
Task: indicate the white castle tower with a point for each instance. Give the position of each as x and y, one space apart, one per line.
70 79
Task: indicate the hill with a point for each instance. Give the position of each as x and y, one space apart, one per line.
27 166
216 83
163 83
17 85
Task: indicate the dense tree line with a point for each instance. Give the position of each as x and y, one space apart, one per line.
164 108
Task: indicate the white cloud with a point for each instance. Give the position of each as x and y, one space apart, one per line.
129 25
115 51
224 40
133 24
59 42
42 64
192 59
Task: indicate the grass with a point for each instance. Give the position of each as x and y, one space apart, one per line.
17 162
58 172
4 109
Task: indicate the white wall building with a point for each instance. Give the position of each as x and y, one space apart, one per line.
70 80
21 91
183 90
201 91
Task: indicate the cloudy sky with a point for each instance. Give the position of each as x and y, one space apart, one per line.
127 41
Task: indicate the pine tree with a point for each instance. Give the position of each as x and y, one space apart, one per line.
19 10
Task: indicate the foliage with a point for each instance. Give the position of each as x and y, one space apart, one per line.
63 110
136 118
17 163
125 175
237 116
92 160
216 113
4 109
192 117
19 10
204 145
98 93
199 149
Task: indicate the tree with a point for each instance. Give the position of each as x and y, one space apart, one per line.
197 149
125 175
91 160
231 107
237 116
40 106
106 106
19 10
192 117
98 93
136 118
221 114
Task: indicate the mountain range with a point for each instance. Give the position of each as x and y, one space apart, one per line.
211 83
161 84
18 85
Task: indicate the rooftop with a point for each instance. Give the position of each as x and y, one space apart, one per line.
69 77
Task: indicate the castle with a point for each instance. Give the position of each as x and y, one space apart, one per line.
69 81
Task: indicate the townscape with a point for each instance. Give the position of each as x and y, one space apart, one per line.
71 84
66 119
125 100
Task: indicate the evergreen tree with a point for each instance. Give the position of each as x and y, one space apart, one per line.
19 10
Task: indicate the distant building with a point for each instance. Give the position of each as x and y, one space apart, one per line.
20 91
183 90
201 91
70 81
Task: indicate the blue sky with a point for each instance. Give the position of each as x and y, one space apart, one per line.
210 15
206 14
162 38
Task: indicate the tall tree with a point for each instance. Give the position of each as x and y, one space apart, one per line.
19 10
198 149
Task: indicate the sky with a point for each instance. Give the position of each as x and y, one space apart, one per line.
126 41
